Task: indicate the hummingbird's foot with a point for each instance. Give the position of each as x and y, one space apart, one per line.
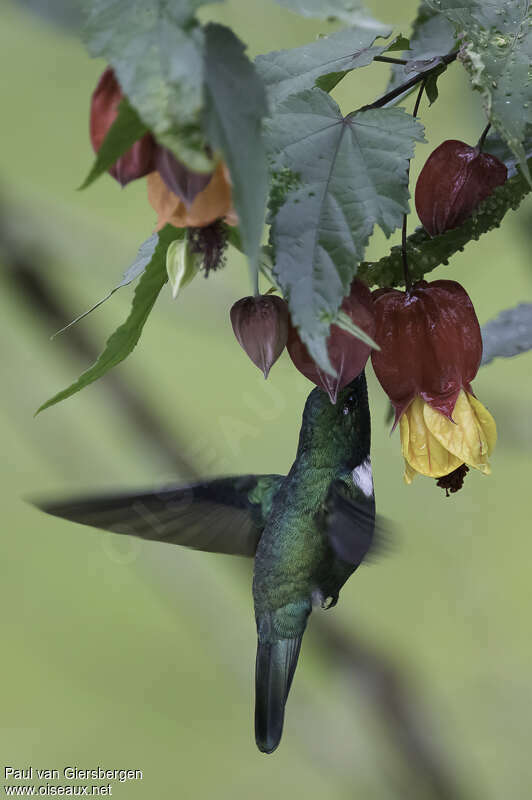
329 602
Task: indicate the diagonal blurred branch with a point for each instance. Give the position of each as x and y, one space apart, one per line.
404 718
508 334
66 14
25 270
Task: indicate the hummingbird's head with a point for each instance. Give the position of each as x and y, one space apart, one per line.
340 431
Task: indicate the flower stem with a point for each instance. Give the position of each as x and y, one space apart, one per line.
406 271
403 87
418 100
389 60
255 279
480 143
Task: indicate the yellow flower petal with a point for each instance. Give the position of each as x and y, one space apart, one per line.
466 438
486 421
409 473
423 451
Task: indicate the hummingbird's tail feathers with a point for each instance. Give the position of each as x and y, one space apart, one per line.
275 667
217 516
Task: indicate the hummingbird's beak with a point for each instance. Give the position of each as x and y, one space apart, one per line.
331 383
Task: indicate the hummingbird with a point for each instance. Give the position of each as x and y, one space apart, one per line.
307 531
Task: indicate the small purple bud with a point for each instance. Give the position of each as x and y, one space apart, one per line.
178 178
261 327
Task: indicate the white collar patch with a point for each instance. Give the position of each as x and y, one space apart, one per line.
362 477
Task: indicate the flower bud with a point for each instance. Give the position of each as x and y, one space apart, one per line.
347 354
139 160
456 178
182 265
261 327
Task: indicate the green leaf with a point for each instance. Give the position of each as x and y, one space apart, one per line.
323 62
235 107
353 12
233 237
498 147
182 265
400 43
345 322
353 174
431 87
156 50
123 133
432 35
509 334
125 338
144 256
496 49
282 182
425 253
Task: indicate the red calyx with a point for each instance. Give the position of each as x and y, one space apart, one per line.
347 354
260 325
430 343
139 160
456 178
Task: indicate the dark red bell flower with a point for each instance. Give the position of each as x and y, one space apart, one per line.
430 344
456 178
139 160
347 354
260 325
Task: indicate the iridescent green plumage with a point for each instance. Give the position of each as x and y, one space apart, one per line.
318 531
308 531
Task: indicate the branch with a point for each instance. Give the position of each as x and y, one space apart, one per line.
425 253
508 334
402 712
404 87
26 271
388 60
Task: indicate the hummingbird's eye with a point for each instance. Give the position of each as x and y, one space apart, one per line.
350 405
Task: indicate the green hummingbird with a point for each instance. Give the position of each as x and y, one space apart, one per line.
307 531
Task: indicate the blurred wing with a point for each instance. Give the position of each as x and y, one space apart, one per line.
350 515
217 516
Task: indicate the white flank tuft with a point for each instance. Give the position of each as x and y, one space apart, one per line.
362 477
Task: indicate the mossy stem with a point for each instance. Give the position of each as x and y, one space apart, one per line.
406 271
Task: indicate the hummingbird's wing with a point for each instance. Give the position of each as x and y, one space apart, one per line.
350 515
225 515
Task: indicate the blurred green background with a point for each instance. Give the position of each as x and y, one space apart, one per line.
132 655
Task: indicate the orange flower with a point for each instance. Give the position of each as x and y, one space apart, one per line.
212 203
